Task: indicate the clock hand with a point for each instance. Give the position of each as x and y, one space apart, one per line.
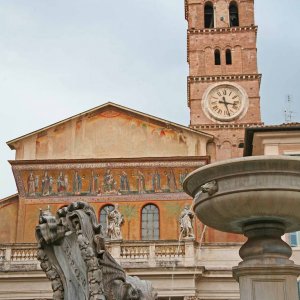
226 105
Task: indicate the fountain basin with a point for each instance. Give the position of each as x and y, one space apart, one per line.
232 194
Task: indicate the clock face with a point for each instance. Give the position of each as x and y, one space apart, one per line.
225 102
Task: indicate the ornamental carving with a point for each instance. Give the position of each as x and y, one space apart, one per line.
73 256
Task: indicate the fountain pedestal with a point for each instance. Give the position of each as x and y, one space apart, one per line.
260 198
266 271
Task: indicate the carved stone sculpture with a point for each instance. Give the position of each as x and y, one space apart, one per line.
73 255
186 225
114 222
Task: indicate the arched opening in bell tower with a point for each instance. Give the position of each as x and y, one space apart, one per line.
217 57
208 15
228 57
233 14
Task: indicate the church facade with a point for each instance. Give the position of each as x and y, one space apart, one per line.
112 156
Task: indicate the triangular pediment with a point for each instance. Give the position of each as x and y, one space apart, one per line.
107 131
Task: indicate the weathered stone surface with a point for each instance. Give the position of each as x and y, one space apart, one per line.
73 256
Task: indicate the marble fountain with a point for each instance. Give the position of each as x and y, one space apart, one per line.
260 198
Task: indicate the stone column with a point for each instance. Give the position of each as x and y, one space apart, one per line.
266 271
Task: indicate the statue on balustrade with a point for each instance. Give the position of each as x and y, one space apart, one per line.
114 222
186 223
73 255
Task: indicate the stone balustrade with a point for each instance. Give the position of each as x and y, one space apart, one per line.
133 254
139 254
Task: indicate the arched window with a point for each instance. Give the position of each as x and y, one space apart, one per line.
217 57
103 216
228 57
208 15
150 222
233 14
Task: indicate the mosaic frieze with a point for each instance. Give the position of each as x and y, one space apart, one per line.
44 181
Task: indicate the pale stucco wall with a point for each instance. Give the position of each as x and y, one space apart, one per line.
8 220
110 134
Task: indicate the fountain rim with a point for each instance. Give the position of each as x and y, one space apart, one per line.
238 166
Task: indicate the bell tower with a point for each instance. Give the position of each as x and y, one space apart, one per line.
223 81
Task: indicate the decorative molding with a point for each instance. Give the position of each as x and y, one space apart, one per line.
225 126
234 77
111 198
222 30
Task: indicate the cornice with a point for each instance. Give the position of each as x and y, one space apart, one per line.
186 12
222 30
225 126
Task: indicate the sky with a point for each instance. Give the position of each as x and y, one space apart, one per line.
61 57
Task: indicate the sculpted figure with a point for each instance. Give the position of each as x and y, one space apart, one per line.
73 255
114 221
186 226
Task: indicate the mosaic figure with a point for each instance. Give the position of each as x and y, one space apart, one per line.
185 220
94 184
124 182
61 186
77 183
66 179
156 182
114 222
140 182
182 176
51 180
171 181
36 183
109 183
46 184
31 185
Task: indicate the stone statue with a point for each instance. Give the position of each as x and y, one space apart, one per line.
185 220
73 255
114 221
